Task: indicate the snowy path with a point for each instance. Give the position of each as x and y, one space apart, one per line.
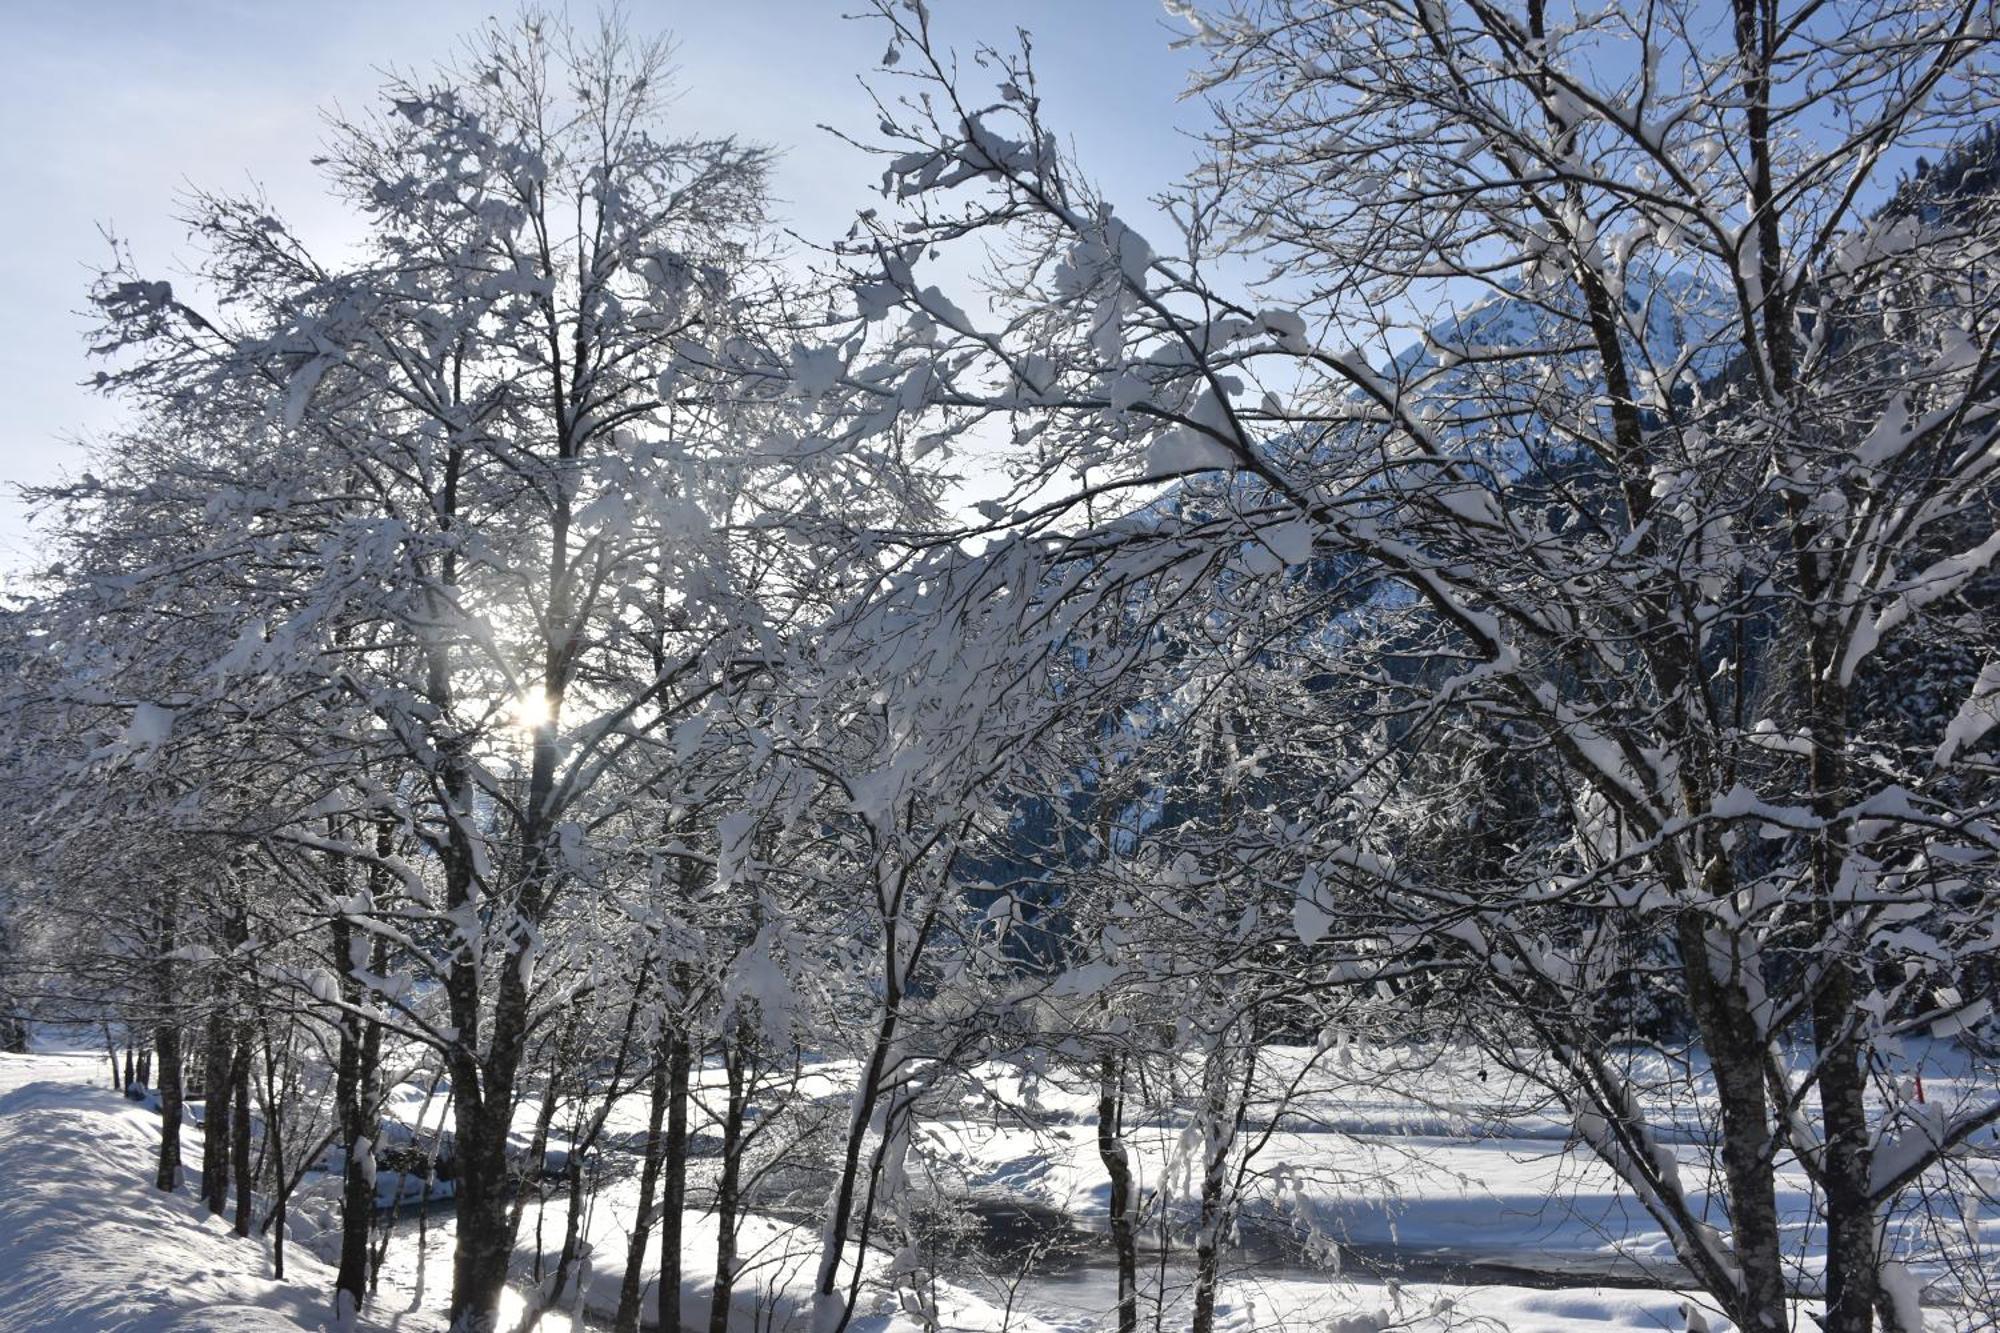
91 1247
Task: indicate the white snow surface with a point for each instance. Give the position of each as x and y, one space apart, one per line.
91 1247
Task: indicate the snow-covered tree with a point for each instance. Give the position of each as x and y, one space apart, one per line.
504 533
1597 340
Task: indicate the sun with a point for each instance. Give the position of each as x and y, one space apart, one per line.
530 710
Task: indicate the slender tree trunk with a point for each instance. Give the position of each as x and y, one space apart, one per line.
630 1289
1852 1248
167 1040
673 1183
538 1144
239 1106
274 1143
832 1312
1214 1185
829 1309
483 1058
482 1092
572 1225
583 1142
1853 1258
355 1093
1118 1169
356 1195
735 1052
216 1088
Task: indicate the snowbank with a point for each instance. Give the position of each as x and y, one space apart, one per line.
91 1247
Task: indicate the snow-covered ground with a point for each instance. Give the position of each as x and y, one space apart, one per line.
1419 1161
90 1246
1425 1173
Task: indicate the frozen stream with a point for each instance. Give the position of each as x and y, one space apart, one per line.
1073 1286
1430 1195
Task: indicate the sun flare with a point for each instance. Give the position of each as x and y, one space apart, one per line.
530 710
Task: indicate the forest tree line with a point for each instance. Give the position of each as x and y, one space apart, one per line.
1511 569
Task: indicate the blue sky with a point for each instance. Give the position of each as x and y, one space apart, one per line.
113 107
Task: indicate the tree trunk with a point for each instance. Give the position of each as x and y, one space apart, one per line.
831 1311
484 1088
1852 1260
486 1225
239 1106
1214 1182
574 1262
167 1039
483 1094
482 1085
1735 1046
572 1225
216 1088
1118 1169
538 1144
274 1143
673 1184
735 1052
630 1287
575 1259
481 1202
356 1096
480 1205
